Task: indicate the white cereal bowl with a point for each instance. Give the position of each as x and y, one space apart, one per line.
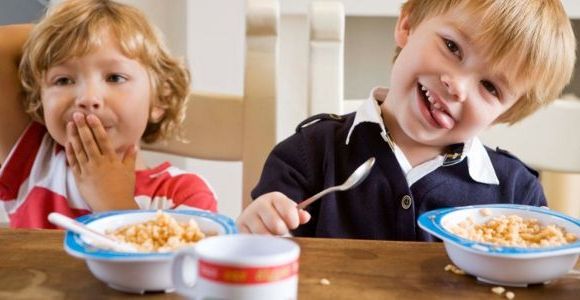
136 272
501 265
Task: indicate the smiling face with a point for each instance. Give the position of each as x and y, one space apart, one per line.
104 82
442 89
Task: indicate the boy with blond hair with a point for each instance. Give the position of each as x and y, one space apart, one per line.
97 80
460 66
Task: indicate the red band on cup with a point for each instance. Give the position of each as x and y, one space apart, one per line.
246 275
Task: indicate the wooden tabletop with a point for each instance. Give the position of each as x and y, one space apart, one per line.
34 265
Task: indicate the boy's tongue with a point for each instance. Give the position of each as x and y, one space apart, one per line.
443 119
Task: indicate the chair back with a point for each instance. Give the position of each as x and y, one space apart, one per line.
238 128
544 140
326 67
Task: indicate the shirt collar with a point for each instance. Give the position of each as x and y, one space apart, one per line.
370 111
478 161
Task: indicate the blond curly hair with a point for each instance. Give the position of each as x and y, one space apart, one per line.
71 29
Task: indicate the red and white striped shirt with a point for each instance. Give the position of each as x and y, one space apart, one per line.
35 180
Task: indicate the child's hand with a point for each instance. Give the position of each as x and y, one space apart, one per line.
105 181
272 213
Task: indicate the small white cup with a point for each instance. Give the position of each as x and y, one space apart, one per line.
239 266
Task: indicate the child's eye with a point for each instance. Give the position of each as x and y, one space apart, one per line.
490 88
63 81
116 78
453 47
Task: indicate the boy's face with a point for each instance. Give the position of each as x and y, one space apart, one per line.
442 90
105 83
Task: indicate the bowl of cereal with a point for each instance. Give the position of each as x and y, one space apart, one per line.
156 235
507 244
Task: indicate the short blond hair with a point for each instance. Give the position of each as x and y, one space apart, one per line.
532 41
72 29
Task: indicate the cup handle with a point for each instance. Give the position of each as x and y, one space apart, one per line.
177 272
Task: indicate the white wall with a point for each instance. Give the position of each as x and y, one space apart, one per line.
210 34
211 39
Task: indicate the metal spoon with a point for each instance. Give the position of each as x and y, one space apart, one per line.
355 178
99 239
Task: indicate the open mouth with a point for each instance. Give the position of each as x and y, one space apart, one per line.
435 110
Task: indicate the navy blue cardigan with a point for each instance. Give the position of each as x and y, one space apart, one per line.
383 206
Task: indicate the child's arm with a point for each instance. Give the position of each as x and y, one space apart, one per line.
287 174
13 119
272 213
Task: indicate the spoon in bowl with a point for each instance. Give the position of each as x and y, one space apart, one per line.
98 239
353 180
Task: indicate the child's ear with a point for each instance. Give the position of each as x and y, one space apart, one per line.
156 114
402 30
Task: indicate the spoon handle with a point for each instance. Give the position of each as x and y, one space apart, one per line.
305 203
98 238
353 180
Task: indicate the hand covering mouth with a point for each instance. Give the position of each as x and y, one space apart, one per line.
105 122
437 108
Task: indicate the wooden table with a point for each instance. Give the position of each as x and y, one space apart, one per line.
34 265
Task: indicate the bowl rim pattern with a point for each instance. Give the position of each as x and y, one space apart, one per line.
76 246
431 222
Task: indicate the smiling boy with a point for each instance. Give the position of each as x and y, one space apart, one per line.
461 66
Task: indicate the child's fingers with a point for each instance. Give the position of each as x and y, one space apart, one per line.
304 216
255 225
71 159
77 149
100 134
272 219
287 211
243 228
86 136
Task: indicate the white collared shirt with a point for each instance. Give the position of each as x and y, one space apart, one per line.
478 163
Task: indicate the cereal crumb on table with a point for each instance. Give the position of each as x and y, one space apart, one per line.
498 290
454 269
510 295
458 271
324 281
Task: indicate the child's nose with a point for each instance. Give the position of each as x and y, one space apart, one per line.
88 98
456 87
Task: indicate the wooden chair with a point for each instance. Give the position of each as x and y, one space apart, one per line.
326 57
238 128
544 140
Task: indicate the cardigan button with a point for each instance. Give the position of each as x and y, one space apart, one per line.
406 202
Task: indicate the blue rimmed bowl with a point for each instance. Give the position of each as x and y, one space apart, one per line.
509 266
136 272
